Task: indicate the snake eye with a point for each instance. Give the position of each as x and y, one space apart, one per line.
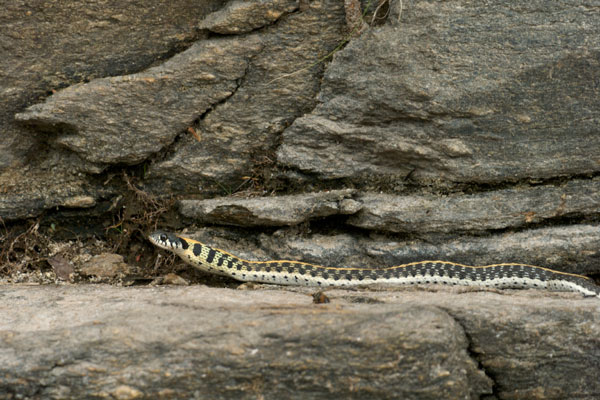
163 237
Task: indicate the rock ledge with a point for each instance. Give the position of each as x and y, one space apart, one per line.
194 342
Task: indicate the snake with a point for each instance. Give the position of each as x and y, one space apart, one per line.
286 272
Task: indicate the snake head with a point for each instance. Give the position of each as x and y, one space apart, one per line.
167 241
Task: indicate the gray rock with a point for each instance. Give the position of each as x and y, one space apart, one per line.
334 250
572 248
440 96
239 136
62 267
497 209
268 211
502 329
26 192
170 279
244 16
125 119
198 342
105 265
50 46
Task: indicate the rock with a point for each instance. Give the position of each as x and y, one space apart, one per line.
496 209
244 16
79 202
570 248
494 104
334 250
25 193
125 119
170 279
240 135
105 265
124 392
268 211
425 99
223 343
62 267
199 121
47 47
495 341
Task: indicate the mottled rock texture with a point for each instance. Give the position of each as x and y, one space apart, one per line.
238 137
125 119
244 16
463 131
489 210
274 211
47 47
200 120
438 94
223 343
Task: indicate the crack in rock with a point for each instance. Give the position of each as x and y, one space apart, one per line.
270 211
249 125
473 352
127 118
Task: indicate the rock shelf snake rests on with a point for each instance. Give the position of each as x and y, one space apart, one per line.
285 272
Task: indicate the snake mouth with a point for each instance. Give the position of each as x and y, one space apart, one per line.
166 240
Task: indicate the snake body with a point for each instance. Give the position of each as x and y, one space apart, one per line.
285 272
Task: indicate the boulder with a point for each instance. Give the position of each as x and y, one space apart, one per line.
103 341
448 92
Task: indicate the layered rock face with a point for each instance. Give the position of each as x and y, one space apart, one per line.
461 131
